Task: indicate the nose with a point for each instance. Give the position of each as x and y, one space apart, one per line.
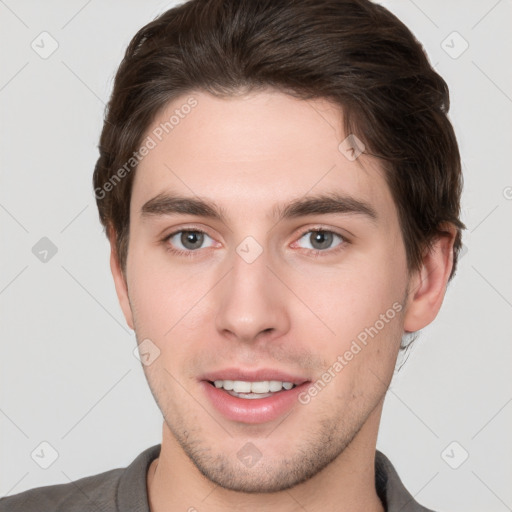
251 301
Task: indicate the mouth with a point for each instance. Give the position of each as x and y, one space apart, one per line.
252 397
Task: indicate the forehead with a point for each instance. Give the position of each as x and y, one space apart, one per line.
252 152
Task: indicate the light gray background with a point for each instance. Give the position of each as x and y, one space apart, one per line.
68 373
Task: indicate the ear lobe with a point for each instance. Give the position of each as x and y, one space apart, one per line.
427 287
119 280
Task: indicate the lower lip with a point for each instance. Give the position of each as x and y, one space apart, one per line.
257 410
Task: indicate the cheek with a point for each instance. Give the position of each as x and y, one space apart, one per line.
156 294
356 293
361 303
367 320
167 301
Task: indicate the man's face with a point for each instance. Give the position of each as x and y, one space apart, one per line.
258 297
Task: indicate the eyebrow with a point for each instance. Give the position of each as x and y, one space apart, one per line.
323 204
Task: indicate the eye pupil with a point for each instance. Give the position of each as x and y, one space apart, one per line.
323 238
192 237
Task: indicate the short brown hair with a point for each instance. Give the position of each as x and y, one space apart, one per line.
352 52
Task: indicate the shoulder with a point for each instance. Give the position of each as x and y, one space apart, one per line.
391 490
97 492
111 491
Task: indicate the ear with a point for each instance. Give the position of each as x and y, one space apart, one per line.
119 279
427 286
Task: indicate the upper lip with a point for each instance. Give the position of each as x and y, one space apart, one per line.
253 375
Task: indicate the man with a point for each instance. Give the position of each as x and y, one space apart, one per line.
280 186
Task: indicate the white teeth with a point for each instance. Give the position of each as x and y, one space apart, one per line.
275 385
228 385
260 387
240 386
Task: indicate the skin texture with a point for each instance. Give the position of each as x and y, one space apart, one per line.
290 309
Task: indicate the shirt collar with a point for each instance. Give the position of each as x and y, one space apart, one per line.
132 490
390 489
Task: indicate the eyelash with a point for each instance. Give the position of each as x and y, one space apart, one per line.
315 252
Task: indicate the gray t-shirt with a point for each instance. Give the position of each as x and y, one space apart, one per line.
124 490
